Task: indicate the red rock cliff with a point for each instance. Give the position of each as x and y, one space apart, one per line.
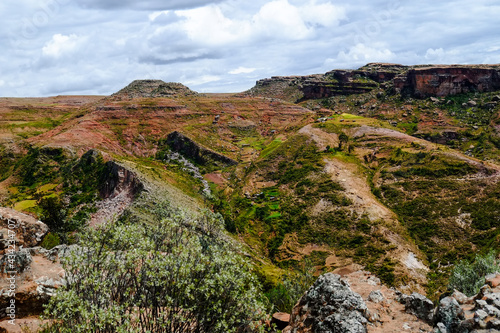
448 80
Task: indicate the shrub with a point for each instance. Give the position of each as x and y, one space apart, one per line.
178 275
468 277
50 240
293 286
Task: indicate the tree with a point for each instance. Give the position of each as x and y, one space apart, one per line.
179 274
343 139
53 213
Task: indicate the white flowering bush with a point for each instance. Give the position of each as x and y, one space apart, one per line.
175 275
469 277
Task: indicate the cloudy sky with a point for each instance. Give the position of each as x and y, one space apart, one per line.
55 47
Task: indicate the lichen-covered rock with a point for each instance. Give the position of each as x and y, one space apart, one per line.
376 296
329 306
24 229
17 261
450 314
420 306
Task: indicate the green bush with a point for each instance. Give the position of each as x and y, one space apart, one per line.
178 275
286 294
468 277
50 240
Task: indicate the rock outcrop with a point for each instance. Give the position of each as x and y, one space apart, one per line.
415 81
25 229
188 148
354 303
117 179
333 83
329 306
153 88
448 80
38 275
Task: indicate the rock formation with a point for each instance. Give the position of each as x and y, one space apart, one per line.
39 274
117 179
329 306
415 81
355 303
153 88
448 80
180 143
27 230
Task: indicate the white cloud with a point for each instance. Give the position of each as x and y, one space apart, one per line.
281 19
209 26
99 46
202 80
59 45
242 70
324 14
362 54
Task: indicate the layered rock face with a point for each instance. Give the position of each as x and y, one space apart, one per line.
448 80
415 81
333 83
180 143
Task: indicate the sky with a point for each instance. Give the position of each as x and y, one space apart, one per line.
96 47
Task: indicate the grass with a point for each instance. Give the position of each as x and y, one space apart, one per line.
24 205
270 148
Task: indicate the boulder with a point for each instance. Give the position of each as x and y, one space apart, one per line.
493 280
18 262
26 230
281 320
420 306
376 296
329 306
450 314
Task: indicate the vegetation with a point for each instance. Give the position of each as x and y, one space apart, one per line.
292 287
177 274
468 277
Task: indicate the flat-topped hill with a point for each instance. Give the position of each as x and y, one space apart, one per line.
418 81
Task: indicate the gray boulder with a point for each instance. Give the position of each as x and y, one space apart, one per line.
329 306
420 306
450 314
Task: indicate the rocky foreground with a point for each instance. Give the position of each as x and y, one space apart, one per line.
358 302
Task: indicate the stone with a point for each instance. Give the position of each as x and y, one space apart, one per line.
18 261
329 306
471 103
281 320
493 299
440 328
420 306
376 296
493 280
496 98
450 314
461 297
28 231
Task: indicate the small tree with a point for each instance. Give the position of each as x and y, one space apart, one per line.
469 277
178 275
